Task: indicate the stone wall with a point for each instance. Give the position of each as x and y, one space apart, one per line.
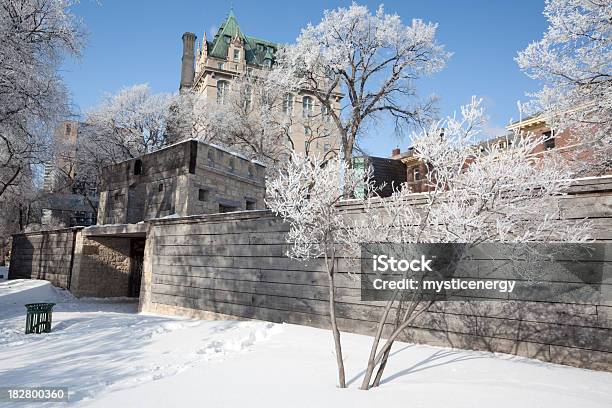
92 266
222 178
235 265
44 255
184 179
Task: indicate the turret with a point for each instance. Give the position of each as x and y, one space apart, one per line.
188 69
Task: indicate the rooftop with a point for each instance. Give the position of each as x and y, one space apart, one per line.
256 50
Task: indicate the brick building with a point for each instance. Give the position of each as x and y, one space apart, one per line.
563 142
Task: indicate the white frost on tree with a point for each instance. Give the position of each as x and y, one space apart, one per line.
573 60
306 194
374 59
499 194
130 123
35 37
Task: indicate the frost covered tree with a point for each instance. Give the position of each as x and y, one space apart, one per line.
306 194
499 194
374 59
130 123
573 60
35 36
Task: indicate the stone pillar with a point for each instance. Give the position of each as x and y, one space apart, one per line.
146 281
188 68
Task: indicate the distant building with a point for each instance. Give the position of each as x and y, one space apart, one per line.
231 53
415 169
563 142
187 178
387 175
67 202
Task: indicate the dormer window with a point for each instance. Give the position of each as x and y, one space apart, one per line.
227 39
236 55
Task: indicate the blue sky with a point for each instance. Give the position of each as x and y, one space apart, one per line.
139 41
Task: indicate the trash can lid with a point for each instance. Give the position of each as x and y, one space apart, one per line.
39 306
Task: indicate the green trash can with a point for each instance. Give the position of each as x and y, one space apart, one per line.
38 319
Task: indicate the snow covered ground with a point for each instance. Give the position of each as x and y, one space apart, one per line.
108 355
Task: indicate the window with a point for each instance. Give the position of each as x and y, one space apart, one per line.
307 106
326 147
203 194
236 55
549 140
232 164
260 47
221 65
288 104
306 146
502 144
222 89
250 205
211 156
227 39
68 128
138 167
249 71
307 131
416 173
267 63
160 187
250 171
117 196
226 208
325 113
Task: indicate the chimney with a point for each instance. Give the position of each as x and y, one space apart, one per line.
395 152
187 69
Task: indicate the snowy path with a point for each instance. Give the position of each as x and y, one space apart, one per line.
107 355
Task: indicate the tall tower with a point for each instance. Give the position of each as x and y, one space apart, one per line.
187 68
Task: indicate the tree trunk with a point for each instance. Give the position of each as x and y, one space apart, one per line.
334 327
381 367
365 385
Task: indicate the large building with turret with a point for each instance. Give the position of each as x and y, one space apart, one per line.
212 66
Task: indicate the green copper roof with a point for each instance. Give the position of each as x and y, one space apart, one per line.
256 50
